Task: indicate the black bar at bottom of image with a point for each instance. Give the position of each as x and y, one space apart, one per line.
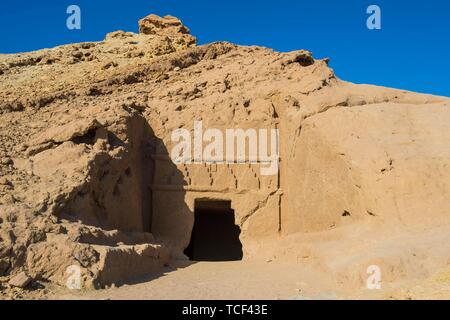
217 309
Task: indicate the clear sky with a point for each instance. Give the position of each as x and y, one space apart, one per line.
411 51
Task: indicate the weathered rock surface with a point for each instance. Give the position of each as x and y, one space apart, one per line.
84 130
21 280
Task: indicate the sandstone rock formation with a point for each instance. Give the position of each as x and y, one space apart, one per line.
86 177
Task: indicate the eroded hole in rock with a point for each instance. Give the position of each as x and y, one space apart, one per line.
304 60
88 138
215 236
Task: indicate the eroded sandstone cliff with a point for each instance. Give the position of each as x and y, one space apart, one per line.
85 133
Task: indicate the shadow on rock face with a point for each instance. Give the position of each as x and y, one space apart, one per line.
105 214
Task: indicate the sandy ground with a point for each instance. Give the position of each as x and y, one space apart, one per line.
220 280
254 281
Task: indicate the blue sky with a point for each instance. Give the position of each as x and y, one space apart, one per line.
412 51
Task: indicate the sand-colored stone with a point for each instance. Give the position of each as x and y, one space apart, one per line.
87 178
21 280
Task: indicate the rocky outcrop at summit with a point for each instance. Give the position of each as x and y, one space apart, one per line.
168 25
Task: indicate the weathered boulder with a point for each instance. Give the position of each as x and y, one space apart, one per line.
167 25
21 280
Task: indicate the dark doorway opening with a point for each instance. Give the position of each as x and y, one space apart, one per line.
215 236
